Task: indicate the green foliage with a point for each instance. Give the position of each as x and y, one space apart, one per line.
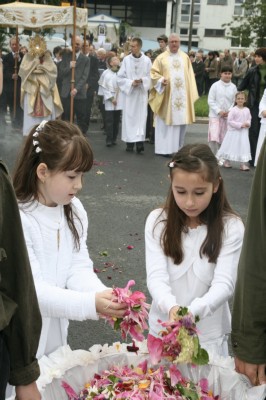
250 28
201 107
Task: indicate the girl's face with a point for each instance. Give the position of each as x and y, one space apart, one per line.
240 100
59 187
192 194
226 76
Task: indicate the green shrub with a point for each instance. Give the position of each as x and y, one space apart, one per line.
201 107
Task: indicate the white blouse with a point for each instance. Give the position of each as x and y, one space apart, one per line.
203 287
64 278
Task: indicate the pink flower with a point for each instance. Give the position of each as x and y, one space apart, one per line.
72 395
175 375
204 385
155 348
134 321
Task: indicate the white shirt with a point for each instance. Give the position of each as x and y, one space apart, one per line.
64 278
201 286
221 97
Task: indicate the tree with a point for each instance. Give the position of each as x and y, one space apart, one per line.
249 28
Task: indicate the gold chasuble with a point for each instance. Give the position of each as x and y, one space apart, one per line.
175 103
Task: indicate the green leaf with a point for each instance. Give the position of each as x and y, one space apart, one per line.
201 358
182 311
117 323
136 308
104 253
113 378
189 393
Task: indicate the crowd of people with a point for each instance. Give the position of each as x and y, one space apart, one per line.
151 93
193 243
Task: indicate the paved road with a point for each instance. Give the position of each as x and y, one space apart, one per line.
117 203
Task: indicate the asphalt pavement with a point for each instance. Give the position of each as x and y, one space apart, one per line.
118 194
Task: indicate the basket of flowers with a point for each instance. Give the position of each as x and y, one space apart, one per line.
172 366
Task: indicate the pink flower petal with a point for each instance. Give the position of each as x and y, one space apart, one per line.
155 348
130 247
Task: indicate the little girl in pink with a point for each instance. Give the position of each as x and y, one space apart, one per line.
235 146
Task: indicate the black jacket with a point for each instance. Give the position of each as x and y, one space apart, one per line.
251 82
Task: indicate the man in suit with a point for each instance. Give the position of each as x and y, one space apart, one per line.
10 75
81 66
199 71
92 81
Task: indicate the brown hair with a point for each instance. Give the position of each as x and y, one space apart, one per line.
244 94
200 159
62 148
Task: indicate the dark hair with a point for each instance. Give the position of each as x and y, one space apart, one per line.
162 37
138 40
226 68
211 53
62 148
261 52
200 159
57 49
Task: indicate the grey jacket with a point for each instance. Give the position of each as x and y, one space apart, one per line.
82 70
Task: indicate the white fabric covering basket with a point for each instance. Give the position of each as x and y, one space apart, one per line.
77 367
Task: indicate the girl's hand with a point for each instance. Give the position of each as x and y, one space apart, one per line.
172 313
263 113
28 392
105 305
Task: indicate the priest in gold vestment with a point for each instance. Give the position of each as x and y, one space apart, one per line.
39 94
172 97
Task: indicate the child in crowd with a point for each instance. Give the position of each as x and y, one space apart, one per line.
193 245
262 134
220 99
112 100
235 146
47 178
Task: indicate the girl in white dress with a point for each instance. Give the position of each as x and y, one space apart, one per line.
193 245
47 178
235 146
262 134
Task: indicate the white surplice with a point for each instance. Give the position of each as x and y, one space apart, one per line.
135 98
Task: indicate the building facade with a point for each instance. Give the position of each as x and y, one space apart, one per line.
150 18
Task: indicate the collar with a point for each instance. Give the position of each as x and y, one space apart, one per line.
136 56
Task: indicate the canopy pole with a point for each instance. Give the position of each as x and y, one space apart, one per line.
73 59
85 29
16 76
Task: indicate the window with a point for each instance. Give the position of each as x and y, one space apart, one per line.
214 32
186 10
184 31
148 13
217 2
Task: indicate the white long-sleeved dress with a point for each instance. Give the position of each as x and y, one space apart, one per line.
64 278
235 146
203 287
